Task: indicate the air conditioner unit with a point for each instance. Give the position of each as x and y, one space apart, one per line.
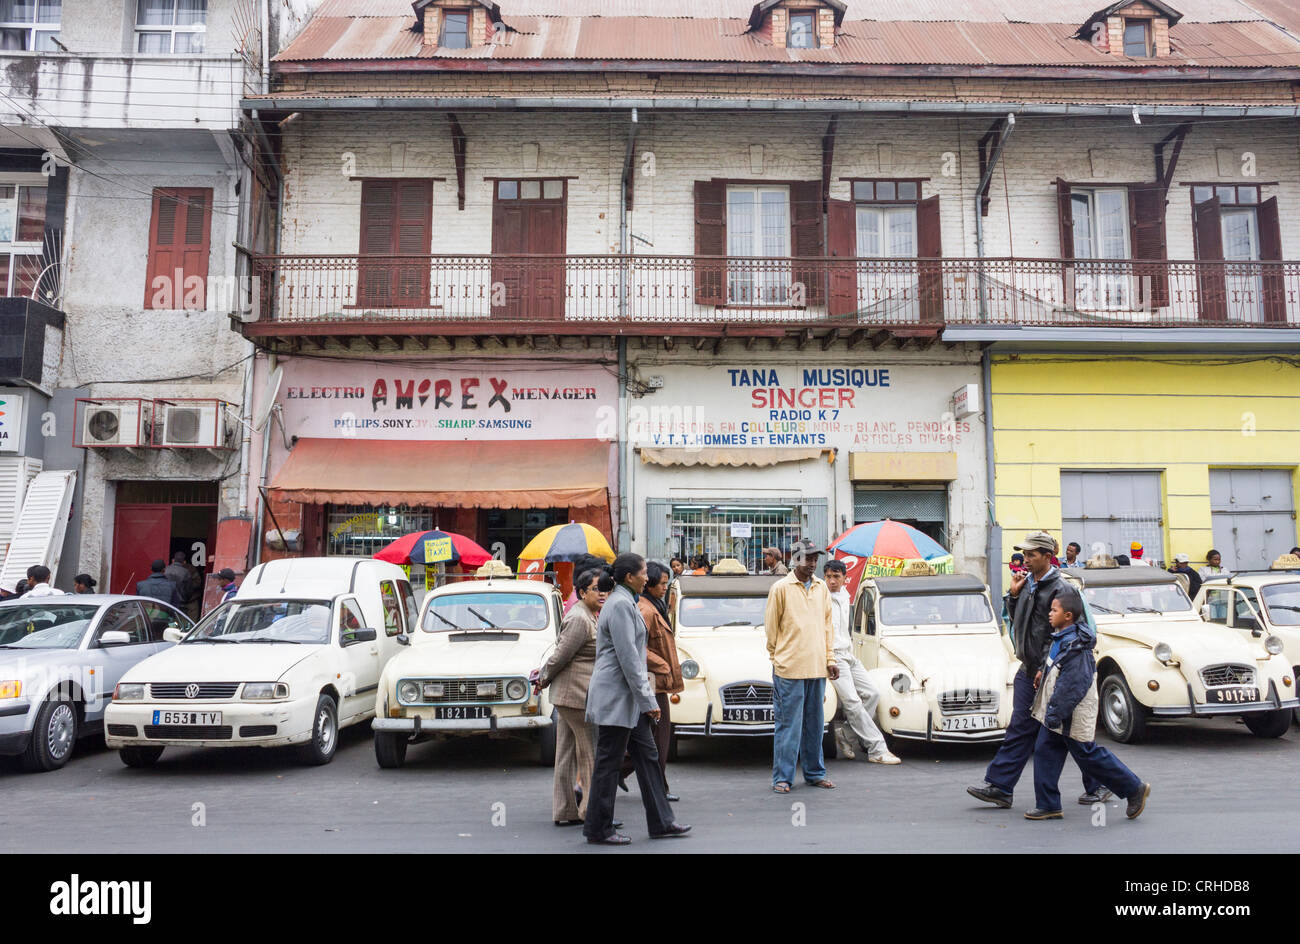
191 424
114 423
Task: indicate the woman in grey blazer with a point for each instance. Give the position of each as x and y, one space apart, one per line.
621 703
568 673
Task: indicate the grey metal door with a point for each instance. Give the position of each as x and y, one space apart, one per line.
1253 513
925 509
1108 511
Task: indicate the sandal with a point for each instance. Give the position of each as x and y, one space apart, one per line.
782 787
824 784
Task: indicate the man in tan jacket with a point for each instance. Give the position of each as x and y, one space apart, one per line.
801 646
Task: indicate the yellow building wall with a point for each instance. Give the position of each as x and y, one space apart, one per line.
1181 416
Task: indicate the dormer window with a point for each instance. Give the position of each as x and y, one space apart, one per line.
1137 38
803 30
455 29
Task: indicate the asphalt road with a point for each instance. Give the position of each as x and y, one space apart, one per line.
1215 788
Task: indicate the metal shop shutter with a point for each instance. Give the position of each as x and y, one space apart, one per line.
900 504
1253 513
15 474
38 535
1113 509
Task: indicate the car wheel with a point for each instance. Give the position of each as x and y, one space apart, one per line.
53 736
390 749
324 733
829 750
546 746
1268 724
1124 717
140 756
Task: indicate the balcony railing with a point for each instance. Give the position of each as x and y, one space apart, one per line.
678 291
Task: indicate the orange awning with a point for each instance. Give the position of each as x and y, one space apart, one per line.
538 473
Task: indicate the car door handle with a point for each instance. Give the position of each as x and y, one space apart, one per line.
374 650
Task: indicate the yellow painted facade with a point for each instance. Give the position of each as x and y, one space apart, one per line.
1179 415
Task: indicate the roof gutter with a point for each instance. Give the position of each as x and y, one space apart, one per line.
424 103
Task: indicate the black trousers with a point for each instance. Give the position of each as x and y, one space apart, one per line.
611 743
663 732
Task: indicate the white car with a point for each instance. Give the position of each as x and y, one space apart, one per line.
292 658
466 670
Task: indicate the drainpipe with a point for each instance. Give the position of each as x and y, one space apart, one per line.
1008 125
624 539
266 461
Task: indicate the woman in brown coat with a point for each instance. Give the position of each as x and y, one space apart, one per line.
661 655
568 673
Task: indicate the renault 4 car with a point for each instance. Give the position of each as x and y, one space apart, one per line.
938 656
1157 658
465 670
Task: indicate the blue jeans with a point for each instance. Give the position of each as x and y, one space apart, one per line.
799 726
1018 745
1101 764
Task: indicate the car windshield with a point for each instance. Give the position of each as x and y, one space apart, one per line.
1143 598
252 621
721 611
934 609
1282 602
503 610
44 625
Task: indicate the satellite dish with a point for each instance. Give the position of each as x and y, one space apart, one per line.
268 399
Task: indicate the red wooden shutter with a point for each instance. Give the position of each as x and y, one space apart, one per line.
929 248
179 242
842 237
1211 284
1146 208
378 226
806 239
710 240
1270 250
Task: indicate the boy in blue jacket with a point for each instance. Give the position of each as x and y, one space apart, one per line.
1066 706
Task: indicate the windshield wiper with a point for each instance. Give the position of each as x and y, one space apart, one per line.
739 622
213 639
435 613
291 642
1104 609
1142 609
487 622
1271 606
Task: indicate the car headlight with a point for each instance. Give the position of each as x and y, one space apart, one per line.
516 690
1272 645
257 691
11 688
129 691
901 683
690 669
1163 652
408 692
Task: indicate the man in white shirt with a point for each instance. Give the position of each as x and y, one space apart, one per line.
38 579
858 696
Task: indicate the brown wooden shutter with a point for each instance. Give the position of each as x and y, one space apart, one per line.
929 248
842 237
396 220
1146 209
710 240
1270 251
1065 218
806 238
179 242
1211 285
378 226
414 218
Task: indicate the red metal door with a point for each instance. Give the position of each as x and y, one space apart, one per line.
141 535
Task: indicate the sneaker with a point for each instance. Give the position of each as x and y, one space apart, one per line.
885 758
1100 795
842 745
991 794
1044 814
1138 802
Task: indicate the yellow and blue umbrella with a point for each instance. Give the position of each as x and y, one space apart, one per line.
567 542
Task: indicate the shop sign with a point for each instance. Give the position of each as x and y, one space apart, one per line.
11 422
437 550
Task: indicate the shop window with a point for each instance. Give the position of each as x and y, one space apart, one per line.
170 26
31 25
361 530
706 529
22 232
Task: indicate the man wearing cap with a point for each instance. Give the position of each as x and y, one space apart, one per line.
800 644
1135 555
1183 566
228 588
1028 603
773 562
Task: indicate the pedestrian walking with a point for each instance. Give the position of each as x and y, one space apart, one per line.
858 695
179 573
621 702
799 643
568 675
1066 707
661 661
1182 566
228 587
157 586
83 583
38 582
1028 603
773 562
1213 566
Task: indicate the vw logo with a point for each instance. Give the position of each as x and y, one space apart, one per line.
192 690
751 693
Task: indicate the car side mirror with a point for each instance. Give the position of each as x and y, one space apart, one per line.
173 634
359 635
114 637
403 639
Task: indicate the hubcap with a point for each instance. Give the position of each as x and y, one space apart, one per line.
1116 708
326 725
58 737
